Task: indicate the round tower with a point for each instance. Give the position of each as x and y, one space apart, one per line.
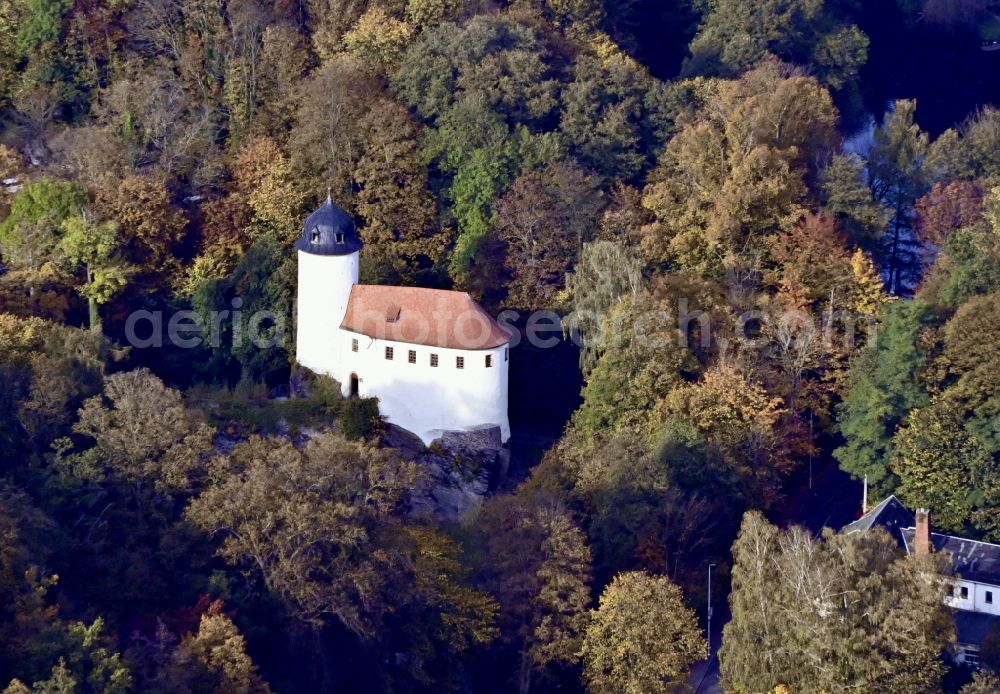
328 252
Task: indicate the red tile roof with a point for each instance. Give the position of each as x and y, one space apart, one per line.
432 317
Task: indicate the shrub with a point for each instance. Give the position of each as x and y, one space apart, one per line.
359 419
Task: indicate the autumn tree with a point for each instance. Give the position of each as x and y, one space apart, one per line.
333 544
326 140
642 637
32 231
284 59
604 274
224 224
263 57
983 682
544 219
265 180
328 21
398 216
151 226
10 15
28 621
378 39
152 112
137 450
735 36
845 193
315 525
967 152
823 304
142 434
738 418
615 115
87 662
255 346
94 246
786 586
946 208
214 658
537 563
46 371
441 616
768 126
943 467
897 177
969 357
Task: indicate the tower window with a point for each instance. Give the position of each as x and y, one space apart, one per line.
964 592
506 353
989 597
489 360
412 356
434 360
388 352
354 345
339 236
459 362
315 236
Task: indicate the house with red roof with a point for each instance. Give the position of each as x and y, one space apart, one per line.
436 361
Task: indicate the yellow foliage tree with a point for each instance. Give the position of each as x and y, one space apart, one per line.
264 176
736 169
643 639
378 38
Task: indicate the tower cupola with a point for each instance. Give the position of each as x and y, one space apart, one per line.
329 231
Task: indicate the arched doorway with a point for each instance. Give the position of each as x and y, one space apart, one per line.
354 385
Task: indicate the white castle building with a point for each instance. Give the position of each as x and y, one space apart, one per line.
435 359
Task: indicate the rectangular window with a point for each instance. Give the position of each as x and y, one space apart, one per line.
964 593
388 352
434 360
989 597
340 237
489 360
354 345
412 356
506 350
459 362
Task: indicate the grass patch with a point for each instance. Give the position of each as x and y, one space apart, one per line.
248 405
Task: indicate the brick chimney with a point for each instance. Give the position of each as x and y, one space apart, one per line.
922 536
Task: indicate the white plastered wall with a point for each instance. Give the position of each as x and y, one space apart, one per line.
425 399
325 283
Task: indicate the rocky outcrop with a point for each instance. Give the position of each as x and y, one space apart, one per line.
470 441
461 469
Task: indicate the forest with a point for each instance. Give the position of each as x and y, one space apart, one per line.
771 231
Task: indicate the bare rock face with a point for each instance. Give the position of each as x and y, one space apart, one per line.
462 467
453 488
406 443
470 441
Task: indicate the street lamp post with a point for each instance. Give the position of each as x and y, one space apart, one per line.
710 567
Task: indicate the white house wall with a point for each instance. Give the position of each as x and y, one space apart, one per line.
976 600
425 399
324 289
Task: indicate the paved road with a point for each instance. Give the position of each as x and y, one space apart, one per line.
704 677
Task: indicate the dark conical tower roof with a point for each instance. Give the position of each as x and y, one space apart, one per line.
329 231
